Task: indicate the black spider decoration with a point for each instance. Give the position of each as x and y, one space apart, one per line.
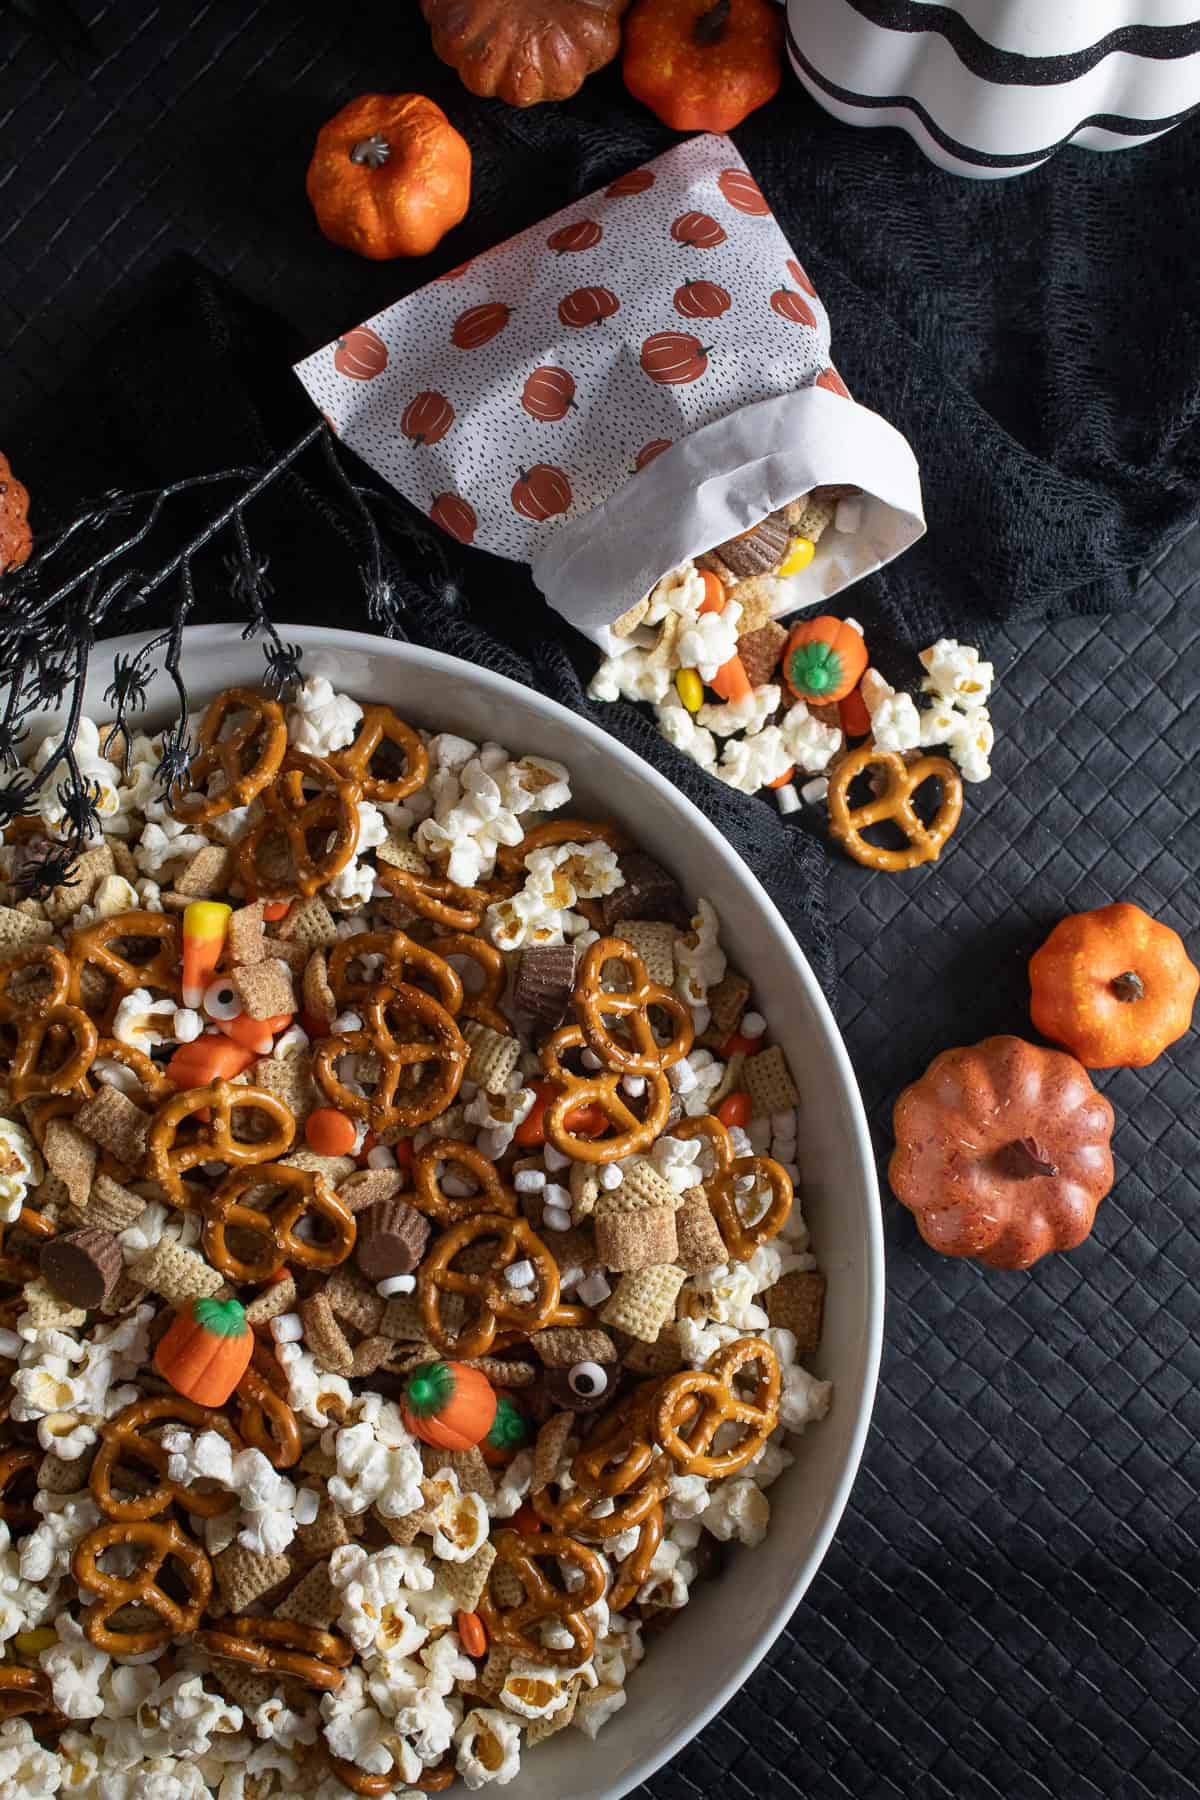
129 686
80 802
16 800
284 673
45 867
171 776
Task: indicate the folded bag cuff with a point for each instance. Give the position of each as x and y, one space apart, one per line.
721 480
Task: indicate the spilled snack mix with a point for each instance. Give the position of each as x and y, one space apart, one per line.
401 1285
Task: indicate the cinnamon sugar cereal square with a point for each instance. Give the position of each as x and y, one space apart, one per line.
769 1083
324 1337
88 871
636 1240
493 1057
206 874
727 1002
797 1303
72 1157
18 931
466 1582
353 1301
111 1206
549 1452
663 1357
308 922
111 1120
289 1078
272 1302
366 1186
243 1576
320 1001
399 852
643 1301
701 1246
559 1346
313 1601
265 988
760 651
246 940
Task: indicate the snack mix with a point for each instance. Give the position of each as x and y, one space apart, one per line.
760 706
403 1295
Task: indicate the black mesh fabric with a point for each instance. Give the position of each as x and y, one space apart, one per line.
1009 1608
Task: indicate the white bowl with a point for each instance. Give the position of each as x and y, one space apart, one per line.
732 1620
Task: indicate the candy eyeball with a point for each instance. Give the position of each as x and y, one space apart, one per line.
222 1000
586 1380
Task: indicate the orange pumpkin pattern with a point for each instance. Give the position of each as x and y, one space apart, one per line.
524 385
674 358
588 306
549 393
583 234
361 354
698 230
743 192
427 418
701 300
541 492
479 325
456 516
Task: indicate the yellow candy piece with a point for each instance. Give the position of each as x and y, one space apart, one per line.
800 553
32 1643
690 689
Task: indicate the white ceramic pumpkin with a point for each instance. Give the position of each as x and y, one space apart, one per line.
992 88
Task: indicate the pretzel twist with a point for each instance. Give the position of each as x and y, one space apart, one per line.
159 1542
94 947
442 902
640 1052
127 1435
895 803
18 1515
168 1159
481 1003
243 759
686 1429
294 1196
266 1421
54 1041
400 956
510 1625
516 1241
281 1647
510 858
452 1209
404 1028
740 1238
320 830
602 1090
381 726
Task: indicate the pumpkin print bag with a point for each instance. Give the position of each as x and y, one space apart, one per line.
620 387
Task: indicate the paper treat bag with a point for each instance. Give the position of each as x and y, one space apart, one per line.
622 386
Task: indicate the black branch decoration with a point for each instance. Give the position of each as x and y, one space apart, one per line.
86 580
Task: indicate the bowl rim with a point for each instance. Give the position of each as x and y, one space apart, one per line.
327 642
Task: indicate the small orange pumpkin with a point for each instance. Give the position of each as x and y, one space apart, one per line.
390 176
703 65
16 539
824 660
1115 986
448 1404
206 1350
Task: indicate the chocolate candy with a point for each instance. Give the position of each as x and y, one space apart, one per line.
758 551
391 1239
82 1267
648 893
544 983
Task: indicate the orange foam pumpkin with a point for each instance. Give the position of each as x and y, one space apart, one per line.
448 1404
206 1350
390 176
1002 1152
16 539
703 65
1115 986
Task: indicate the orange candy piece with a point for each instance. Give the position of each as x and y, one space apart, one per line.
256 1035
735 1108
731 681
207 1058
714 593
328 1132
473 1633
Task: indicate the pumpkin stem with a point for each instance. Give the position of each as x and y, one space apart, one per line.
224 1318
428 1389
1128 986
1037 1156
509 1430
373 151
711 26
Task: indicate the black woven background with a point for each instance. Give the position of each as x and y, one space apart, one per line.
1009 1608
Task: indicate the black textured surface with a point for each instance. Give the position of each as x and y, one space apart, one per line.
1009 1608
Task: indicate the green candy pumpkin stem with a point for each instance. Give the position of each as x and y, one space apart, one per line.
509 1430
815 669
224 1318
428 1389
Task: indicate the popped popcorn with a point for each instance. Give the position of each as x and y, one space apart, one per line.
956 673
810 744
320 720
752 763
21 1168
699 958
709 640
748 715
679 727
489 1748
144 1021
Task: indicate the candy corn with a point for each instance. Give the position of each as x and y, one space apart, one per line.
206 1059
254 1034
205 923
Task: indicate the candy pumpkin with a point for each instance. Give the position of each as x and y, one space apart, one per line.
390 176
206 1350
525 51
1002 1152
448 1404
824 659
16 540
703 65
1115 986
509 1433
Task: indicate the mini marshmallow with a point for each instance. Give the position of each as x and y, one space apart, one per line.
594 1290
529 1181
610 1177
520 1274
556 1218
287 1328
555 1194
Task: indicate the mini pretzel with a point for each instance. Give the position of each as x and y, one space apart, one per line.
295 1194
93 946
509 1625
511 857
127 1435
900 782
168 1159
152 1083
721 1188
478 1003
381 726
451 1209
636 1566
243 759
516 1241
17 1515
400 956
29 1691
266 1421
686 1431
159 1540
320 830
602 1091
40 1033
281 1647
394 1021
593 1004
443 902
50 970
372 1786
